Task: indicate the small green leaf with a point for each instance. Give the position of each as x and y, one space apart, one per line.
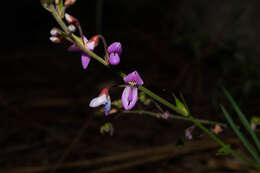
60 4
77 38
255 120
224 150
106 128
46 4
143 99
117 103
184 102
239 134
244 121
181 106
61 9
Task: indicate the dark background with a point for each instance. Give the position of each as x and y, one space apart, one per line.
192 47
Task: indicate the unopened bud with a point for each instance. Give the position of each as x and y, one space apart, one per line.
55 39
188 132
69 18
57 2
45 1
72 28
55 32
72 20
94 40
46 4
69 3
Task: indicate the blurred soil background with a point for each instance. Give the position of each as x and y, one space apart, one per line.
192 47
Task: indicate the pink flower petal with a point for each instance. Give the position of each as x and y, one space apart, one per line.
114 59
98 101
85 59
134 77
115 48
74 48
129 97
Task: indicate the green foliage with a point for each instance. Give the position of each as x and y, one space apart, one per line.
182 106
224 150
61 9
143 99
245 123
117 103
46 4
255 120
106 128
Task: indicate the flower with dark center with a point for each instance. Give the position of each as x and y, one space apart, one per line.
130 93
115 50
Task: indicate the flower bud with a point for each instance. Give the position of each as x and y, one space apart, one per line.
69 18
57 2
94 40
46 4
72 28
114 59
55 39
115 50
55 32
69 3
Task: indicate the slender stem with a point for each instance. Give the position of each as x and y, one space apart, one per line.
179 117
150 93
221 143
240 135
160 99
76 40
58 19
90 53
243 120
199 123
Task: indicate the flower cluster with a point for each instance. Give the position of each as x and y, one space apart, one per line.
85 59
129 95
115 50
84 46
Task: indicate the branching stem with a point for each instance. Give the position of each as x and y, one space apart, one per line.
147 91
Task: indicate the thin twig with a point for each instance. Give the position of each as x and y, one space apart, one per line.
155 114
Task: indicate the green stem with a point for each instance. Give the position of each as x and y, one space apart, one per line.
179 117
240 135
58 19
90 53
147 91
221 143
160 99
75 39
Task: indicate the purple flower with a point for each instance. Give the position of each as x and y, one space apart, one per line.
130 93
188 132
102 100
85 59
115 50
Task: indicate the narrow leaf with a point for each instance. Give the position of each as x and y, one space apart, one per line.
224 150
240 135
181 106
243 119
